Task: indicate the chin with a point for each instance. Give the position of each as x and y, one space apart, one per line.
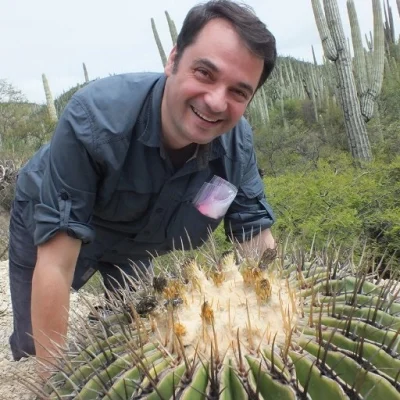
203 140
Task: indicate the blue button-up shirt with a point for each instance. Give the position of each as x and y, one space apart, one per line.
105 178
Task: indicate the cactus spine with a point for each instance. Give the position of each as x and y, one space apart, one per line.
49 100
334 43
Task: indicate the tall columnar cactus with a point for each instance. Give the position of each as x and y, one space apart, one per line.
49 100
368 87
282 90
290 327
310 88
158 42
334 43
264 103
257 112
172 28
173 32
85 72
314 57
389 23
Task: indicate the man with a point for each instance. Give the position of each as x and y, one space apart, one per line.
128 156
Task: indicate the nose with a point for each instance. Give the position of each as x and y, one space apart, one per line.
216 100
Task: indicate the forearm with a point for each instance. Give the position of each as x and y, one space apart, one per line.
50 307
51 285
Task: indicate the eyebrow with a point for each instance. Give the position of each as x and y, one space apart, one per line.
209 64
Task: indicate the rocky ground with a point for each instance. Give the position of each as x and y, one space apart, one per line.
10 388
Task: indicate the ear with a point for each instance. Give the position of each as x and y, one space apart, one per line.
169 67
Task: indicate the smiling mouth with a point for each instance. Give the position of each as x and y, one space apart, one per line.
203 117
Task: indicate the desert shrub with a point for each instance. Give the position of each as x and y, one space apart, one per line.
8 175
337 200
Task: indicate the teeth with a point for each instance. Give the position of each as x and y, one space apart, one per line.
202 116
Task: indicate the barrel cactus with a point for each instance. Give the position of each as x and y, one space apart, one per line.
299 326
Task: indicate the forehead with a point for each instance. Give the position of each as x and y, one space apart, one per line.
217 32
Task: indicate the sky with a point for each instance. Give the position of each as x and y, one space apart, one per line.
111 37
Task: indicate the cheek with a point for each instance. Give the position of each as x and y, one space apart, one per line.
190 89
237 111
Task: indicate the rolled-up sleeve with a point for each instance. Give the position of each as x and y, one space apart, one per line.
250 213
69 183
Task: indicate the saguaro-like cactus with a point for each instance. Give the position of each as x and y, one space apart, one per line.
368 87
334 43
158 42
173 32
49 100
389 23
85 72
172 28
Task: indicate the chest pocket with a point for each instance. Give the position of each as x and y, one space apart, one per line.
130 201
189 227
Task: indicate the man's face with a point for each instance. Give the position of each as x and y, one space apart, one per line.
210 89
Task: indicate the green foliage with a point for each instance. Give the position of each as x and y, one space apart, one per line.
8 175
282 148
335 199
61 101
13 108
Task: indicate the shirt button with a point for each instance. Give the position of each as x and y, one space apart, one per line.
159 210
64 196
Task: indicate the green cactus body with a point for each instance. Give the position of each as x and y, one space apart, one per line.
158 43
172 28
360 67
368 68
49 100
85 72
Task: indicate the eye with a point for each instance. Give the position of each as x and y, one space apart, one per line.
202 73
241 94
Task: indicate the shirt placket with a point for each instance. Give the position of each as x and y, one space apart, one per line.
167 202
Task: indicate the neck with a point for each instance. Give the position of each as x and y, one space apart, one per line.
180 156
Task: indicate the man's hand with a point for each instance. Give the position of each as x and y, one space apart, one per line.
51 285
258 244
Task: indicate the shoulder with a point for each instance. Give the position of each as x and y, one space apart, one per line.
118 88
113 104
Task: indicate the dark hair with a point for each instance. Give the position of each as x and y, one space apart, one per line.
252 31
